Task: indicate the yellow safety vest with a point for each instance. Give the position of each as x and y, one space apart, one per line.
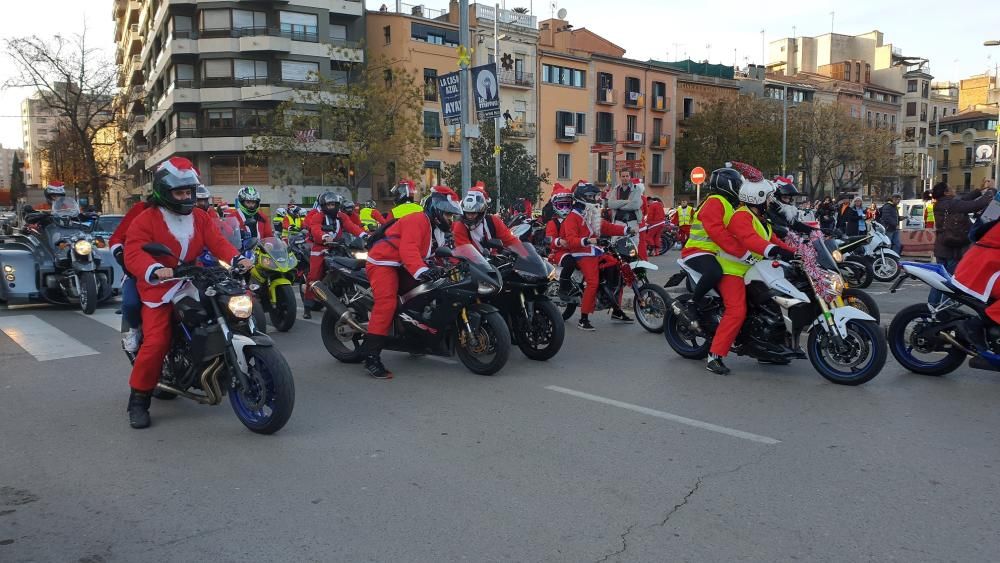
367 220
404 209
684 216
294 224
732 266
699 237
929 212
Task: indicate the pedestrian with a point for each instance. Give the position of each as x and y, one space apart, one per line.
928 210
872 212
853 219
952 231
825 213
888 216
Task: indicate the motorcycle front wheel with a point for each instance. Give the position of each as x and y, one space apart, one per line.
856 360
885 268
489 353
284 308
650 307
858 273
916 353
88 292
682 340
266 405
543 336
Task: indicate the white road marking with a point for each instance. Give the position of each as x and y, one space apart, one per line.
448 361
42 340
667 416
107 317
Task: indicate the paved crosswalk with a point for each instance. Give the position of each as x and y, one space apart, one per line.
41 339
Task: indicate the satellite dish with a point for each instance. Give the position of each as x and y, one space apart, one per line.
561 14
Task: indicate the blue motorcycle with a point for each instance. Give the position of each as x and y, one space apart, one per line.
935 339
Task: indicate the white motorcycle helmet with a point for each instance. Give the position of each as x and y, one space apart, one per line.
756 193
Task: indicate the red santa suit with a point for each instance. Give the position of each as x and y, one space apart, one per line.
732 288
656 219
557 249
408 243
117 239
712 214
186 236
578 226
490 227
978 271
264 227
355 217
314 225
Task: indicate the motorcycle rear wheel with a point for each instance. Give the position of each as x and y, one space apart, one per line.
548 321
88 292
681 340
885 268
271 376
493 328
284 309
651 316
860 273
902 345
862 301
341 340
864 339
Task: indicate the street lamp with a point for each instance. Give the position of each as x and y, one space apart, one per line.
996 146
497 36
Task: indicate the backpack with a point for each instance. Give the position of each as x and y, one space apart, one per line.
953 230
379 233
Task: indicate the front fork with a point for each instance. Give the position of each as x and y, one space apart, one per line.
236 375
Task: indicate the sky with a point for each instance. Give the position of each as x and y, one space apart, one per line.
951 37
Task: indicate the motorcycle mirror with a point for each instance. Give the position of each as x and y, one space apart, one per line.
251 243
494 244
156 249
520 230
443 252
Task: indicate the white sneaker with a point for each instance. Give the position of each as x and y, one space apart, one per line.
130 341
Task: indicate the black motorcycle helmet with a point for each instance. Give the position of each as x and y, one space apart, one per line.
442 207
726 182
54 191
330 203
785 191
586 193
404 192
176 173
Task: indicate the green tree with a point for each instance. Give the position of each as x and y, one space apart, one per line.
17 187
517 169
347 130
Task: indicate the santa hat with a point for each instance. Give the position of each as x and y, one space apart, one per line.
559 189
481 188
748 172
783 181
55 184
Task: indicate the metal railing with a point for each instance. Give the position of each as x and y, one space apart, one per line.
519 130
605 96
660 141
660 103
486 12
634 99
605 136
517 78
633 138
433 142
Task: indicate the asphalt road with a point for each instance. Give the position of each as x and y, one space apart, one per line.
615 450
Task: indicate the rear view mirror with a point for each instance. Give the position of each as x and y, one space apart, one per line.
443 252
157 249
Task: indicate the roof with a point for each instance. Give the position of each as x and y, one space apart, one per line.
968 116
701 69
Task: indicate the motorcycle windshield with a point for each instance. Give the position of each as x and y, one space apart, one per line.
469 253
823 255
65 207
276 249
528 260
230 229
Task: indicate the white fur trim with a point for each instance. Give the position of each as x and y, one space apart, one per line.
420 271
149 272
984 297
383 262
115 247
181 227
767 249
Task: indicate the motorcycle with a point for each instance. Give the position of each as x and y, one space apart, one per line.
929 339
216 350
441 317
57 260
856 269
845 345
650 302
240 239
273 275
876 251
531 231
535 323
668 238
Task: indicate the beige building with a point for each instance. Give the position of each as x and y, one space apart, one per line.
199 78
977 90
39 124
961 159
6 166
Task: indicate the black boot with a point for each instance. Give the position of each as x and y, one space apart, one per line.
972 330
565 288
138 409
307 309
715 365
373 357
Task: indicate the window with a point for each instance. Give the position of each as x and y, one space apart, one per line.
433 35
893 122
435 39
183 76
245 19
214 19
605 127
299 71
847 72
215 69
910 134
857 72
869 120
552 74
911 85
688 107
432 125
565 125
968 155
387 33
868 73
338 76
925 89
633 85
855 112
182 26
299 26
219 119
968 181
631 125
923 137
605 81
934 113
387 76
252 118
657 128
250 71
579 79
430 84
581 124
657 168
338 32
923 111
911 109
186 120
944 158
603 163
563 168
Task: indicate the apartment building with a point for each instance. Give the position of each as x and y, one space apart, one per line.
977 90
6 166
208 75
39 125
881 68
961 163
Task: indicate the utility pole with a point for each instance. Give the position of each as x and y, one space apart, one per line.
784 128
996 146
463 81
496 120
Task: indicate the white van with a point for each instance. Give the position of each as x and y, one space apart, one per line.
912 212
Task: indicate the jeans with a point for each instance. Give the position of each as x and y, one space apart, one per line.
895 242
131 305
934 297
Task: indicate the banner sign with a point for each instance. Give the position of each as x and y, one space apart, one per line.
451 98
487 91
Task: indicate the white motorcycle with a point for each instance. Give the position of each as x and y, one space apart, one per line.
845 345
884 260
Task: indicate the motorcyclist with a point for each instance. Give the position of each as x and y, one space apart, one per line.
247 212
561 204
749 227
37 219
404 194
330 214
175 222
976 275
781 211
370 217
351 210
292 222
203 198
278 221
131 305
478 224
655 221
580 232
406 245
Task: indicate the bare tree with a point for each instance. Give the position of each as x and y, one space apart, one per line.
78 83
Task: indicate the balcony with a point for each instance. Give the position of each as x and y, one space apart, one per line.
967 163
432 142
660 103
566 134
634 100
606 96
454 142
510 17
633 139
945 164
519 130
660 142
515 78
659 178
605 136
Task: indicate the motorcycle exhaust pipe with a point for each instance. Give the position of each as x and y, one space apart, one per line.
210 381
196 398
951 340
321 290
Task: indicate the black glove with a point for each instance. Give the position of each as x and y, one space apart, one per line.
432 273
119 254
778 252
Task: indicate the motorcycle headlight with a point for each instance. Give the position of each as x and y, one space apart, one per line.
360 255
241 306
267 262
838 256
83 247
836 283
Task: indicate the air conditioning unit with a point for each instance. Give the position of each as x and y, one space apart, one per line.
569 131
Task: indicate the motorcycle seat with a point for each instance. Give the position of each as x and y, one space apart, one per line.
348 262
853 239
